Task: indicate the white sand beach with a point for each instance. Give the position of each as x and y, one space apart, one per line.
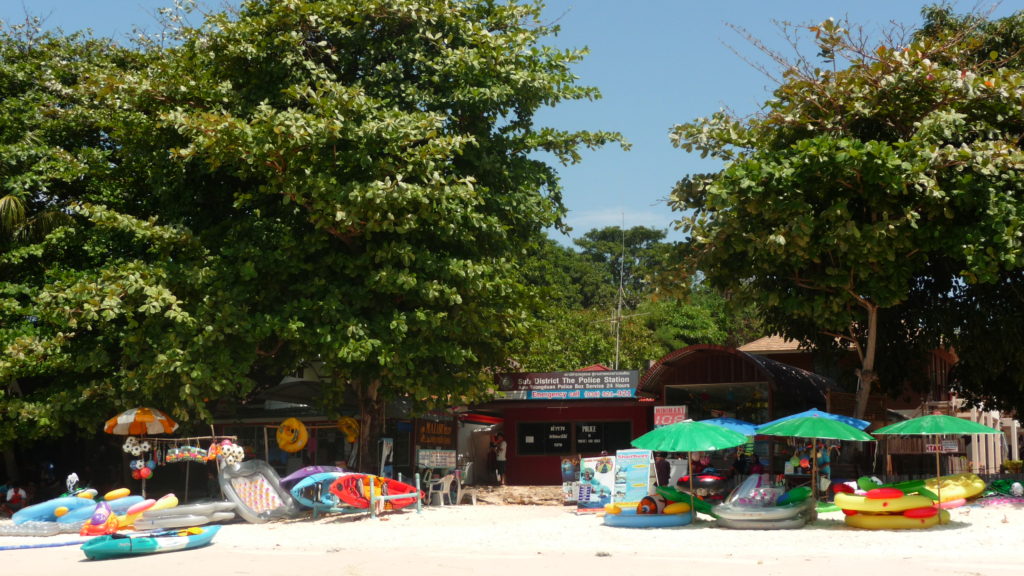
528 540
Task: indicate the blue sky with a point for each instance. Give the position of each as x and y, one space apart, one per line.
657 63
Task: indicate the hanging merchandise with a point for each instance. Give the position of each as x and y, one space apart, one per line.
349 426
232 453
292 435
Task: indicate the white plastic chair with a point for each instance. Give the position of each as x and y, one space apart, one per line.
442 488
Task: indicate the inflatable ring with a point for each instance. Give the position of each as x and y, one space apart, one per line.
349 426
292 435
864 504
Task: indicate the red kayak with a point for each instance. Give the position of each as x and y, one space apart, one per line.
354 490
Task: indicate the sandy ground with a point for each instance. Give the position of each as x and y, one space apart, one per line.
530 540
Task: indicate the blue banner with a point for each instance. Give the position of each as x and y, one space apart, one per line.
632 476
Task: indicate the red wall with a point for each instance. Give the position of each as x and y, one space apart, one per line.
544 470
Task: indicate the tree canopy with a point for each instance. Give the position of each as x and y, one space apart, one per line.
350 183
578 319
875 171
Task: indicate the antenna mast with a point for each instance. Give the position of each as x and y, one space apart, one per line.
618 309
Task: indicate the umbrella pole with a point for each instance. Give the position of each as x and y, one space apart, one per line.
938 478
689 465
693 495
814 470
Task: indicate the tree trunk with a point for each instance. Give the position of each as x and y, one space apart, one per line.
369 408
866 375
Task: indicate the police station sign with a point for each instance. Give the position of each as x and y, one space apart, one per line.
567 385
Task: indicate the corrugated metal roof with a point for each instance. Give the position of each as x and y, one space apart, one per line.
811 388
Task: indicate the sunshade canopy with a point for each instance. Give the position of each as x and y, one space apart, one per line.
741 426
814 427
936 424
689 436
138 421
815 413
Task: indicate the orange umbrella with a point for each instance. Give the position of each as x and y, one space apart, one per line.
139 421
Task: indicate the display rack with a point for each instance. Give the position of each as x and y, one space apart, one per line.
156 441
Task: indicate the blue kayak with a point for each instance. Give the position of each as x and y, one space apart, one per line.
121 545
313 491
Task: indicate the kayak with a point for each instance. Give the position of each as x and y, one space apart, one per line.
354 490
314 491
294 478
121 545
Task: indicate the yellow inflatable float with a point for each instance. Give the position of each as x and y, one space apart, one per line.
886 505
956 486
349 426
292 435
890 509
897 521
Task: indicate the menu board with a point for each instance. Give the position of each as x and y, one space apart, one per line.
437 459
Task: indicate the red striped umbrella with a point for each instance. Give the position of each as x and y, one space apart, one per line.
138 421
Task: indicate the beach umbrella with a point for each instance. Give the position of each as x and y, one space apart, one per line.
817 427
741 426
689 436
815 413
935 425
139 421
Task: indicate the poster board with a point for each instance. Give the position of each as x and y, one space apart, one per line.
436 459
597 479
633 476
570 470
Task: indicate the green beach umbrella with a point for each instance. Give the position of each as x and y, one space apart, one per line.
935 425
689 436
816 428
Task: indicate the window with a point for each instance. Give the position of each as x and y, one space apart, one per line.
539 438
598 436
544 438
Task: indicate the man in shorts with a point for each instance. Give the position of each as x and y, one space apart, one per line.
501 456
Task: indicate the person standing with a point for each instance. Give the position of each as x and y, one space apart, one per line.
662 468
17 498
500 457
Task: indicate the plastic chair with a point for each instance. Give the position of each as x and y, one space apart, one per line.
441 488
463 489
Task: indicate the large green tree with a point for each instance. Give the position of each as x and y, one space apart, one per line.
55 152
350 183
633 258
578 320
869 165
